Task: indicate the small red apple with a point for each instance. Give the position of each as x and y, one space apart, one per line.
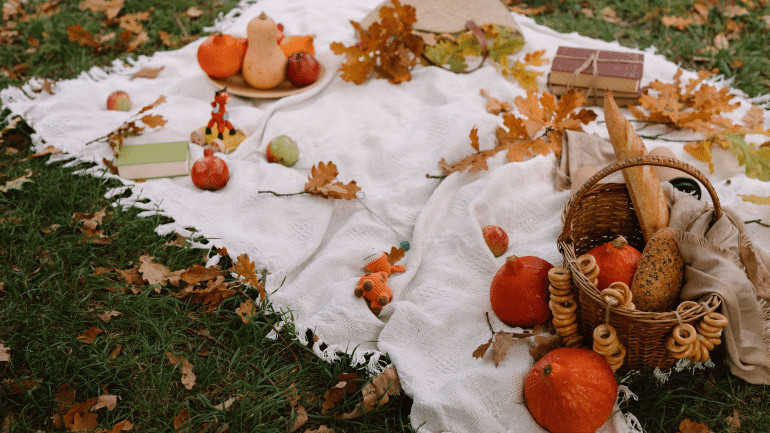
496 239
119 100
210 172
302 69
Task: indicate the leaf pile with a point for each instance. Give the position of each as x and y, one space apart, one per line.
387 49
206 286
83 416
696 105
538 131
323 182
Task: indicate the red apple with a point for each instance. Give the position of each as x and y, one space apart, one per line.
302 69
496 239
210 172
119 100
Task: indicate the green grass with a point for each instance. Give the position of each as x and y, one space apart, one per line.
50 293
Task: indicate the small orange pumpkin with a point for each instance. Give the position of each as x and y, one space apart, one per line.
519 291
617 261
571 390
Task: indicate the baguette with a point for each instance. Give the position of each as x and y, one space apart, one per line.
642 182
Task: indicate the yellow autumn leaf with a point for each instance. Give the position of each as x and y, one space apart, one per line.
756 199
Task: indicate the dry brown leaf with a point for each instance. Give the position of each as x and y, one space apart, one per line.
609 15
482 349
197 273
90 334
79 417
91 221
754 118
320 182
211 296
680 23
131 22
542 344
376 393
63 399
193 12
229 402
347 384
147 72
115 352
301 418
49 150
8 421
108 315
153 273
180 419
494 105
246 310
111 8
188 377
121 426
689 426
395 255
17 182
5 353
734 420
245 268
721 42
76 33
751 198
529 11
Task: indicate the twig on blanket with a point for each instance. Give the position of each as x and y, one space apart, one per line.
279 194
757 221
491 329
436 176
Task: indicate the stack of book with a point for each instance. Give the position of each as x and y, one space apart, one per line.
145 161
595 72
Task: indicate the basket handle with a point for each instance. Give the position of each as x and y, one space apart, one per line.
659 160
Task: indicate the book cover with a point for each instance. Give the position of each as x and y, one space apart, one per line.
145 161
616 70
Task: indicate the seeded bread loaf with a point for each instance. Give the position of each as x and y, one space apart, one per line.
659 273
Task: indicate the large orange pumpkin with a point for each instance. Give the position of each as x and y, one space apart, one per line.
617 261
519 291
571 390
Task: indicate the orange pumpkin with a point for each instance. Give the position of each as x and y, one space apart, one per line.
519 291
617 261
571 390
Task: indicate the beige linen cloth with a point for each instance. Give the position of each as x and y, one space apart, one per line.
720 259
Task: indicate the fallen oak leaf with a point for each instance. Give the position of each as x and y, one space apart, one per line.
49 150
121 426
689 426
188 377
301 418
347 383
197 273
108 315
18 182
482 349
147 73
245 268
153 273
180 419
111 8
320 182
246 310
90 334
376 393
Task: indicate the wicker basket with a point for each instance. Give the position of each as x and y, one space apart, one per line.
596 214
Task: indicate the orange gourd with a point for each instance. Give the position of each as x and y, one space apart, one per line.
298 44
571 390
264 65
519 291
617 261
221 55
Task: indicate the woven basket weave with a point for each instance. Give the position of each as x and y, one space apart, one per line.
596 214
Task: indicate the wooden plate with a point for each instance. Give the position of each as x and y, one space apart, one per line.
236 85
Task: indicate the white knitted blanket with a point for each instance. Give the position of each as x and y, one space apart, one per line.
387 138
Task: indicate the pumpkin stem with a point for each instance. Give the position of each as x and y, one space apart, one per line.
619 242
547 369
511 259
263 15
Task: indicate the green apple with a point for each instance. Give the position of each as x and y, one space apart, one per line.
282 149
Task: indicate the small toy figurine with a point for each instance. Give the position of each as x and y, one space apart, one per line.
373 287
219 133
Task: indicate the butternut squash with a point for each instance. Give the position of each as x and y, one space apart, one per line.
659 274
264 65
